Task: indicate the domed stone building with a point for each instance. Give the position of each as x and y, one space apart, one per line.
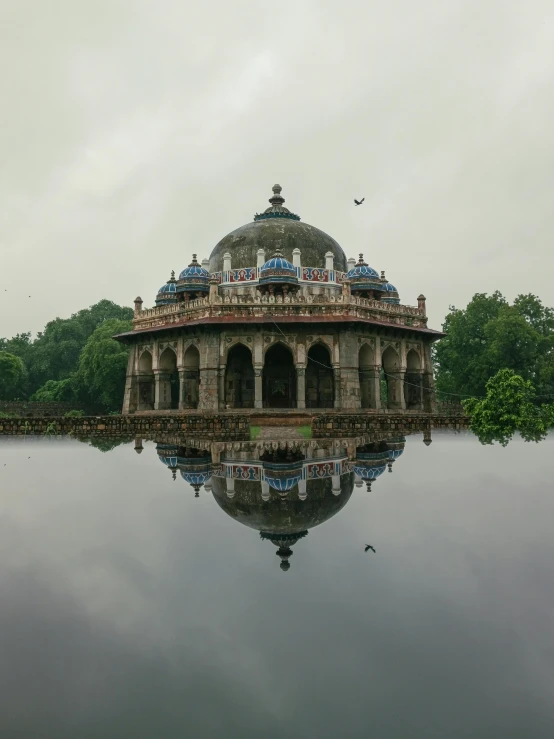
277 317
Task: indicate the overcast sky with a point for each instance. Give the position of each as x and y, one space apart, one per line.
134 133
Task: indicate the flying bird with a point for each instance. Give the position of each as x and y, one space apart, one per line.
359 202
368 546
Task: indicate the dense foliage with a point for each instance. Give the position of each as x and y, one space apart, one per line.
490 335
63 362
509 407
12 377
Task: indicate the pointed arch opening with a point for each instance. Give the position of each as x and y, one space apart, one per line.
391 373
279 378
191 377
169 380
145 384
239 378
413 382
320 385
368 374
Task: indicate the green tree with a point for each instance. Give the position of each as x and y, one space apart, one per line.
56 391
509 407
489 335
12 376
55 352
103 365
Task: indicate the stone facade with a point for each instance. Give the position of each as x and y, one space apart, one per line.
279 333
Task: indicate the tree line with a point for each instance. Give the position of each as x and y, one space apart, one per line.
73 360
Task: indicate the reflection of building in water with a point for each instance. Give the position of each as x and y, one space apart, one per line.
281 489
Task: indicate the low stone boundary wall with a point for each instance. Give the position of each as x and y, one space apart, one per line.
206 426
334 425
32 409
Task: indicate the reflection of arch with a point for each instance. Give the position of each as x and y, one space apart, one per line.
145 383
367 376
279 378
319 378
191 377
391 368
413 383
239 378
168 379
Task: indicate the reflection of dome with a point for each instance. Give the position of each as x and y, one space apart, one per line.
367 472
168 292
276 228
278 515
194 278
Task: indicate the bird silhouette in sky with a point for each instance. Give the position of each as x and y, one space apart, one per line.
368 546
359 202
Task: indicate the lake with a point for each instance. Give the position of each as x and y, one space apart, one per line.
238 599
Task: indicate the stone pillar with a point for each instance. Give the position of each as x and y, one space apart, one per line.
230 486
335 484
350 264
421 304
212 297
296 254
226 262
206 265
221 387
208 390
258 395
300 387
182 389
138 306
346 293
375 382
265 490
337 386
395 382
428 382
260 256
302 493
349 375
162 391
130 397
329 261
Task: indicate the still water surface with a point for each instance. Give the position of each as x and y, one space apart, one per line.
132 608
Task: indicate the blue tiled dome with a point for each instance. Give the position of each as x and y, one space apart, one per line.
167 293
390 293
278 269
195 478
194 278
362 270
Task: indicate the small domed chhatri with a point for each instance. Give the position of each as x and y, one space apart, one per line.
277 318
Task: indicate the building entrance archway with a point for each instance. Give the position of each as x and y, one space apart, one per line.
239 378
279 378
320 386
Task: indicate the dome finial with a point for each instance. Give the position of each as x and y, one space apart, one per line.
194 262
172 278
361 261
276 198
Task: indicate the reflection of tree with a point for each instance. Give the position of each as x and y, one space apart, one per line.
107 444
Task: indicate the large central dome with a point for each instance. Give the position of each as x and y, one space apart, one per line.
277 229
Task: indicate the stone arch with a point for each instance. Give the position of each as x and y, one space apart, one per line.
392 376
279 377
168 378
145 383
369 376
413 381
239 377
190 388
145 362
320 386
279 340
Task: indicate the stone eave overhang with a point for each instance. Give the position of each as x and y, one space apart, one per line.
128 336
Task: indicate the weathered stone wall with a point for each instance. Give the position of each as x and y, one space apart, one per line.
207 426
335 425
28 408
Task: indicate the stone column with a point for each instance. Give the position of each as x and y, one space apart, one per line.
182 389
395 383
162 392
300 387
336 386
258 395
302 493
335 484
130 397
221 387
349 374
428 382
